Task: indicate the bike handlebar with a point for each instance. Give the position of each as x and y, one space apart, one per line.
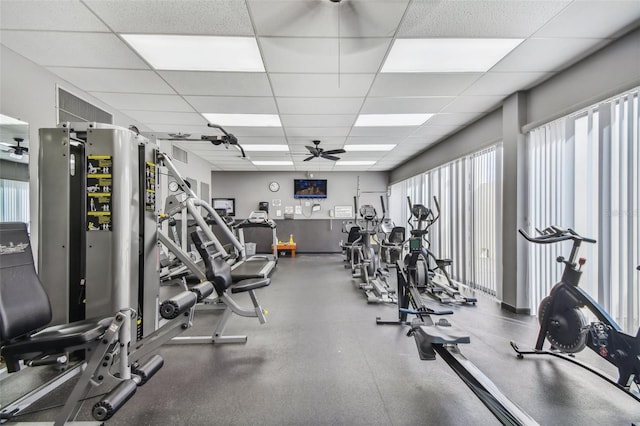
554 234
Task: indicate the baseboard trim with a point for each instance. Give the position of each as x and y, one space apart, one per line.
507 307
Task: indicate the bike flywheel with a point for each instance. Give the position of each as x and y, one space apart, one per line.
566 327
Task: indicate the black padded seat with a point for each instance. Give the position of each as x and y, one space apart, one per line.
25 308
444 262
250 284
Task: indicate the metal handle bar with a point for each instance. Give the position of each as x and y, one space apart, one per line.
558 235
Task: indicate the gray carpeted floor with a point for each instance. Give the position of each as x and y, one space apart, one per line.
322 360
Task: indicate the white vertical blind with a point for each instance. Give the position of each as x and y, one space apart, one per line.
14 201
583 174
467 191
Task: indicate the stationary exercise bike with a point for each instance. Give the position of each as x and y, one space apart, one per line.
563 324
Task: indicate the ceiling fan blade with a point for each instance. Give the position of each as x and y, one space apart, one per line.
313 150
330 157
335 151
309 158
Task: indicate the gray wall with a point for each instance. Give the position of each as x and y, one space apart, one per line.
609 71
248 188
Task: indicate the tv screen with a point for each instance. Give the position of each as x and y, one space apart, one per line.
310 188
226 204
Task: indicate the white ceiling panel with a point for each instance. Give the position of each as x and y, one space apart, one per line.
218 83
233 104
322 60
473 104
316 132
592 19
406 105
323 55
321 85
429 84
48 15
401 131
142 102
56 48
111 80
430 129
499 83
317 120
472 18
161 117
296 18
175 16
547 54
319 105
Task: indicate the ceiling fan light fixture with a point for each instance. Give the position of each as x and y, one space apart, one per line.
391 120
447 55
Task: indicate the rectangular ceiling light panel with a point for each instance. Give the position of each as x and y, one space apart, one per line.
273 163
447 55
369 147
244 120
265 147
386 120
198 53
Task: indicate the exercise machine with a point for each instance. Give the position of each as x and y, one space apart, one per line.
365 262
441 337
392 245
352 229
256 220
104 348
563 324
431 272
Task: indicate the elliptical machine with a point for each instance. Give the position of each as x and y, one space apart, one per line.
563 324
365 262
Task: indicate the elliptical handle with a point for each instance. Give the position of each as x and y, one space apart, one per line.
558 235
437 216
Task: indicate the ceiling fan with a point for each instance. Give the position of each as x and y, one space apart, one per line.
16 150
317 152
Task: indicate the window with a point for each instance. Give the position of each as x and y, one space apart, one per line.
14 201
468 191
583 174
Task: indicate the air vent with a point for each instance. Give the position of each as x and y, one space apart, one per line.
72 108
180 155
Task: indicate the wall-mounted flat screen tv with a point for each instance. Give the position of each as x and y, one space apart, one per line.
309 188
228 205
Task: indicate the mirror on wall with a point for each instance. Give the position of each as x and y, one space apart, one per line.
14 170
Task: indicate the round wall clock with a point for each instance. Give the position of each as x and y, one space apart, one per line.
274 186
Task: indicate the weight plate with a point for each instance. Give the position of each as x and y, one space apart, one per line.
566 327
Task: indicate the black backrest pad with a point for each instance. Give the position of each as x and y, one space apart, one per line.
217 270
24 305
354 234
397 234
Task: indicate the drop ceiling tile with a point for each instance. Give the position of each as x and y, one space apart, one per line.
498 83
233 104
218 83
400 131
320 19
175 16
255 131
56 48
592 19
473 104
547 54
142 102
316 132
299 143
472 18
319 105
317 120
110 80
321 85
426 84
453 119
430 129
323 55
267 140
160 117
48 15
389 105
194 130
